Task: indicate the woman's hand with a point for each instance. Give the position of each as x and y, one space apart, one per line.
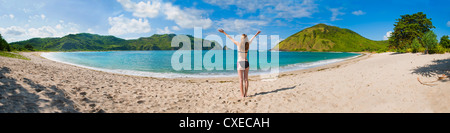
254 36
221 31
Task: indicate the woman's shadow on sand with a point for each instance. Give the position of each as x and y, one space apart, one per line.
274 91
14 98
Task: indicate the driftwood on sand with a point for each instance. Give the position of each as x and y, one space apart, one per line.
429 83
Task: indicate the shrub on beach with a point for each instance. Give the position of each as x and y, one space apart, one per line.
421 50
430 41
415 45
382 50
445 42
438 50
401 51
409 50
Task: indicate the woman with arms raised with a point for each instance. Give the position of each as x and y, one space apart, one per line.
242 62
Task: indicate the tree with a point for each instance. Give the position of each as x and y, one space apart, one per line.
4 46
429 40
28 47
415 45
409 27
445 42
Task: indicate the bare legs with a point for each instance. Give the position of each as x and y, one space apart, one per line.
241 81
246 81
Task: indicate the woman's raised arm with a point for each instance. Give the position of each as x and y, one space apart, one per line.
234 41
250 42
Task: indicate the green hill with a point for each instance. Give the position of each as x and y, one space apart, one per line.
93 42
323 37
160 42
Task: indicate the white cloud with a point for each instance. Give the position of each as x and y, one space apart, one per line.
280 9
11 16
163 31
58 26
149 9
187 18
175 28
89 30
72 28
240 25
122 25
41 16
279 23
16 33
388 34
334 13
25 10
226 3
448 24
12 31
44 31
48 31
295 10
359 12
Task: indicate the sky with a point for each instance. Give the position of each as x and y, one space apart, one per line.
131 19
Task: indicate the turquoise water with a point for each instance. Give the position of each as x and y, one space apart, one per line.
158 63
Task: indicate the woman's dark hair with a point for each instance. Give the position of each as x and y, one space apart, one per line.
246 43
246 46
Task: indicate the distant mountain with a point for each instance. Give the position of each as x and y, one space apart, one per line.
161 42
91 42
323 37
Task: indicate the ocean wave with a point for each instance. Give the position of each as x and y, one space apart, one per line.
301 66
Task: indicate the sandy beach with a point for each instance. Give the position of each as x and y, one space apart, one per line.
385 82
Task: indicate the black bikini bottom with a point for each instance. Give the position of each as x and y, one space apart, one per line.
244 63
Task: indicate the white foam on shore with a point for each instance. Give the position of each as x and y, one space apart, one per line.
301 66
292 67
